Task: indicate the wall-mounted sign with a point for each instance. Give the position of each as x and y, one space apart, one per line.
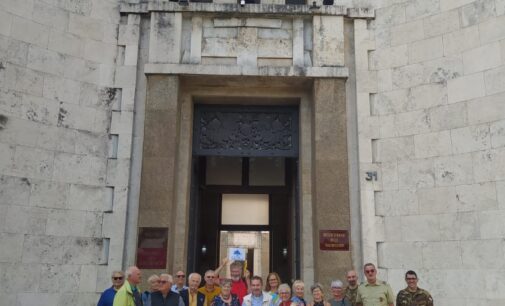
236 254
334 240
152 248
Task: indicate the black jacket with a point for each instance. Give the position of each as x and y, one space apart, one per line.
200 298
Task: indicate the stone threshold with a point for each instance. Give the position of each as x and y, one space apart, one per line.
235 70
248 9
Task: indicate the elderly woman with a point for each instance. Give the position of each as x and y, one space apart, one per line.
225 298
318 295
298 288
338 298
272 285
284 295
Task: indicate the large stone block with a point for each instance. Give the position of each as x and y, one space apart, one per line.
461 40
495 80
13 51
489 165
86 27
59 278
391 149
425 50
416 173
49 15
482 254
49 194
420 228
14 190
451 4
491 224
389 102
427 96
389 176
5 23
63 90
453 170
390 57
459 226
74 223
482 58
165 38
328 41
84 251
88 278
91 143
497 130
492 30
445 22
34 163
100 52
432 144
418 9
43 249
45 60
477 12
407 32
78 169
396 203
25 220
466 88
392 14
487 109
13 247
77 117
442 255
437 200
29 31
477 197
40 110
469 139
400 255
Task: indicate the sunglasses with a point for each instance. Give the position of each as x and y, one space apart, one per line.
180 276
162 282
117 278
370 271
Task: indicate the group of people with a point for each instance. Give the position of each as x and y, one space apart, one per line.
243 290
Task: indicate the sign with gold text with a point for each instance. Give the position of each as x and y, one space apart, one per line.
334 240
152 248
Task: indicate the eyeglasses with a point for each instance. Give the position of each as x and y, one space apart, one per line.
336 287
180 276
162 282
117 278
370 271
208 276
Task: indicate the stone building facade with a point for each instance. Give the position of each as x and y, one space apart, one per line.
401 107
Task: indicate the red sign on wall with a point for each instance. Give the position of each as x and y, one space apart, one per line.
152 248
334 240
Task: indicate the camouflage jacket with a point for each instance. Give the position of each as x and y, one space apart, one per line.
350 294
419 298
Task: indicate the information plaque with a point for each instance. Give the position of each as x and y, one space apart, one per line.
152 248
334 240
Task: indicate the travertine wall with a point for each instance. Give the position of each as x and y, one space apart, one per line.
430 92
65 141
433 125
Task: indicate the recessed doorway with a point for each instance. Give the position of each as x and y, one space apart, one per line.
247 201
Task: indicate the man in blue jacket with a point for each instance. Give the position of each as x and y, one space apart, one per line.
107 297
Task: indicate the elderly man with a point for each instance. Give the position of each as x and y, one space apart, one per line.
257 297
128 294
351 290
180 282
165 296
210 290
107 297
153 282
374 292
413 295
191 296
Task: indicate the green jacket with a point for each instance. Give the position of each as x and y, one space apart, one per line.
124 296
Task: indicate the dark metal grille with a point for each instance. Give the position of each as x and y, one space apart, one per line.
245 131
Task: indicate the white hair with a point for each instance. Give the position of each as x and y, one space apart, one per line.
337 284
168 277
130 271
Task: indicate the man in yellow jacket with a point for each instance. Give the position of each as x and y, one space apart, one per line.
129 294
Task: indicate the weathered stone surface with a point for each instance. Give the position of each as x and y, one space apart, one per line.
432 144
397 202
328 41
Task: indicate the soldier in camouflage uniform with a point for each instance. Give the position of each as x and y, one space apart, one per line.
413 295
352 288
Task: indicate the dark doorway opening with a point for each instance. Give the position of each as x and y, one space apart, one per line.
220 181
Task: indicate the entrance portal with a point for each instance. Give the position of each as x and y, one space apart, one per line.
244 193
